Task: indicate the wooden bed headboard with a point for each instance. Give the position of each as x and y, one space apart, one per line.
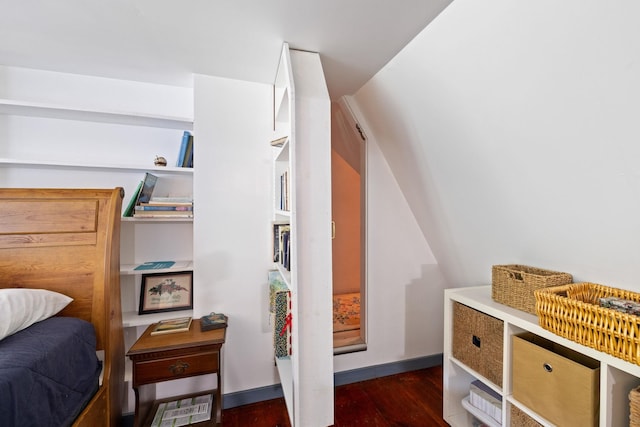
68 241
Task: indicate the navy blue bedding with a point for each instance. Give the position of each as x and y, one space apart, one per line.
48 372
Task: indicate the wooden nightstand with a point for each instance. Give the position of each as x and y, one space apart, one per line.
172 356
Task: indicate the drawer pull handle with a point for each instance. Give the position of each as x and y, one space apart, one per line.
179 367
547 367
476 341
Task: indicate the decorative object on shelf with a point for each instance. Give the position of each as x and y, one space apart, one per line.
169 326
160 161
162 292
513 284
213 321
574 312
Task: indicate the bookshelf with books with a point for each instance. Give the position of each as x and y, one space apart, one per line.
70 131
150 215
301 204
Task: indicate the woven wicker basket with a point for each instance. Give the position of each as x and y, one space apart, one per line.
513 285
478 341
573 311
634 407
520 419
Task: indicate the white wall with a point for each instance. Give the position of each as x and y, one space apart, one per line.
231 233
233 243
232 187
404 319
512 130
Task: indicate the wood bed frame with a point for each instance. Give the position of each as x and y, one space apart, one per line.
68 241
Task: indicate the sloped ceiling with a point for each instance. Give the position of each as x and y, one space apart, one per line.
512 129
165 41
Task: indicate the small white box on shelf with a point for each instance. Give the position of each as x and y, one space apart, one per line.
487 400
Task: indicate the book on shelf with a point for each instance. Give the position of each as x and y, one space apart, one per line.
280 238
284 191
148 185
278 228
169 201
213 321
183 148
188 155
163 214
279 142
154 265
163 207
128 212
184 412
190 158
170 326
286 249
157 265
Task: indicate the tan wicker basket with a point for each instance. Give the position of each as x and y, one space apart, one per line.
634 407
513 285
520 419
573 311
477 341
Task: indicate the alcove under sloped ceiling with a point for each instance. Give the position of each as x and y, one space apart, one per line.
512 131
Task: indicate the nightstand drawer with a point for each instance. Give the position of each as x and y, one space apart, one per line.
170 368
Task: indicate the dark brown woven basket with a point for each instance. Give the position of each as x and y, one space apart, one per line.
513 285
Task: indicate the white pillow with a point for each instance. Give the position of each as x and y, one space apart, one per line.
21 308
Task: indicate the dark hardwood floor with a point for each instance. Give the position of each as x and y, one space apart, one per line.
411 399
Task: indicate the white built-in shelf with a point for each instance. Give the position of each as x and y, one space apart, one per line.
617 377
106 167
132 318
129 269
36 109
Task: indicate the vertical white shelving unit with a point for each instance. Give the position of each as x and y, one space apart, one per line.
302 115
